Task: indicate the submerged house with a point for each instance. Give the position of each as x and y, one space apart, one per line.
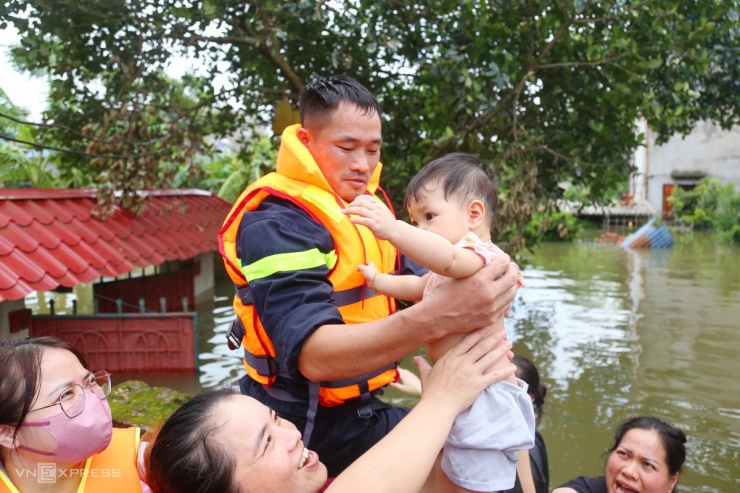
147 272
707 152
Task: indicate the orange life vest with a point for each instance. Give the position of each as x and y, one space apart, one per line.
112 470
298 180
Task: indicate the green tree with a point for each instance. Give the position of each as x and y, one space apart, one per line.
547 91
228 173
17 165
709 205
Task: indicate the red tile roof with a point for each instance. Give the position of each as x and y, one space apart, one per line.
50 238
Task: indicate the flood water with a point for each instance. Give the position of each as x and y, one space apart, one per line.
615 333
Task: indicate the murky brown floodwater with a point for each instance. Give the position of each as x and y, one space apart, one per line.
615 333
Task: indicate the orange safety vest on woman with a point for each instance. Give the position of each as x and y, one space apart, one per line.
112 470
299 180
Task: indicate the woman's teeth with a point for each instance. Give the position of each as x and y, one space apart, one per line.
625 489
306 457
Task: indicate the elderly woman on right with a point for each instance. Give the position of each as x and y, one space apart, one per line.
646 457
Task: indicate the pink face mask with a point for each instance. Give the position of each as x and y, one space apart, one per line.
80 437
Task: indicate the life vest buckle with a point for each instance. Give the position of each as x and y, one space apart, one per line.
236 334
365 412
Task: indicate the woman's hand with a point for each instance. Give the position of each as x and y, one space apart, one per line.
466 369
449 388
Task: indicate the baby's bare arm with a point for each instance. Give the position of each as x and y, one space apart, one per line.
405 287
423 247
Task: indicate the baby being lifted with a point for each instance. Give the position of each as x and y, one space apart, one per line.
451 203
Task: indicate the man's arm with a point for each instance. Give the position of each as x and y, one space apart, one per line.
464 372
290 301
334 352
305 326
423 247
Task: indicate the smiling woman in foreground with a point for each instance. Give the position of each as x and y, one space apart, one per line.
646 457
226 442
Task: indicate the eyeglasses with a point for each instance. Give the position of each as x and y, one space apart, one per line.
72 399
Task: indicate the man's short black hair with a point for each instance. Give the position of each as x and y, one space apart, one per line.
322 96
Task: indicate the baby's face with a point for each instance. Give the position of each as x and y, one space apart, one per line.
432 212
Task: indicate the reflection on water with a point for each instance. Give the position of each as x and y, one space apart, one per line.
219 365
617 333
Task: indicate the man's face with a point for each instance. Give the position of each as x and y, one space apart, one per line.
346 148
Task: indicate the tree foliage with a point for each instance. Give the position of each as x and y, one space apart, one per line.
709 205
228 173
18 167
546 90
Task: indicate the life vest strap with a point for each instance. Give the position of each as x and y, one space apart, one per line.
335 384
282 395
341 298
265 366
245 295
354 295
365 411
237 331
313 406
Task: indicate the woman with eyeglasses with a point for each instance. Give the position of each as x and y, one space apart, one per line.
56 429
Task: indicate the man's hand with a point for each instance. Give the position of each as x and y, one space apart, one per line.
462 305
368 211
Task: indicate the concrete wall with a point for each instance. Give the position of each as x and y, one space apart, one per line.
5 308
707 151
203 284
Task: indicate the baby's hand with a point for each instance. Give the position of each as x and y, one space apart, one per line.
369 212
368 271
407 382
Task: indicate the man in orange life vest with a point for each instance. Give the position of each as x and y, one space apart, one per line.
319 343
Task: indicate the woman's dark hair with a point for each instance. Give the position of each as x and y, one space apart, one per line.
463 178
181 457
20 375
673 440
322 96
525 370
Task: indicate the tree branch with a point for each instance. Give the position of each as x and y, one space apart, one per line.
589 20
588 64
81 153
194 38
79 134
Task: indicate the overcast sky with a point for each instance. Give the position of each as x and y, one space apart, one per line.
23 90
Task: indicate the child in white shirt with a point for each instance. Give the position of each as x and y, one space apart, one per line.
451 203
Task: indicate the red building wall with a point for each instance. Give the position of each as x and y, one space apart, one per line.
128 342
